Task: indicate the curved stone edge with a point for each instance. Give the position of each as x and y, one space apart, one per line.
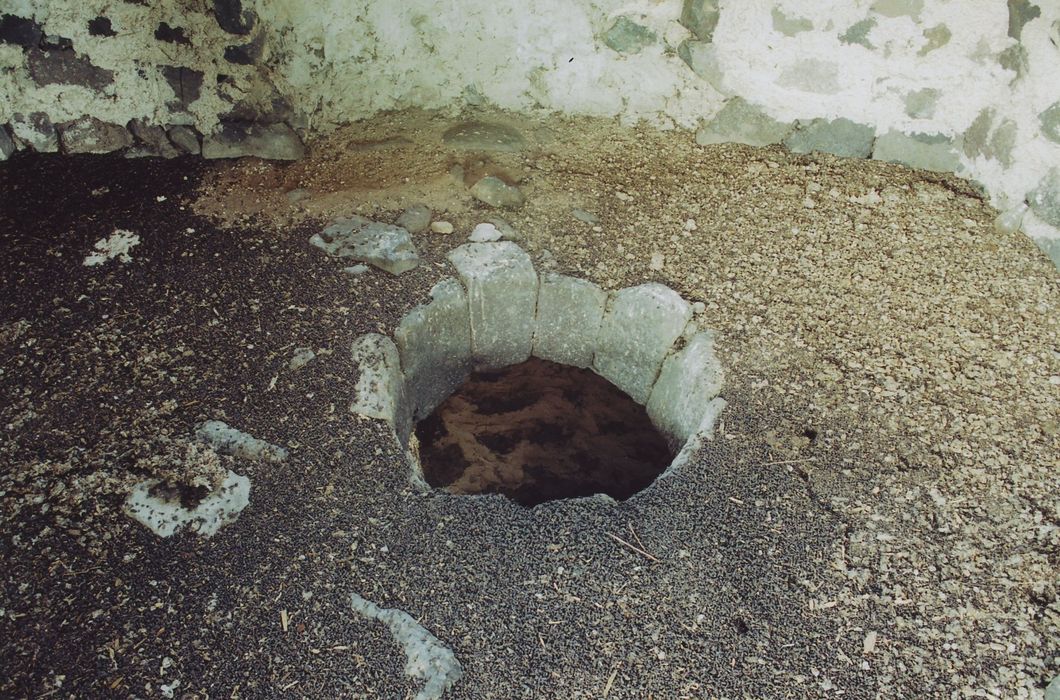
703 434
630 337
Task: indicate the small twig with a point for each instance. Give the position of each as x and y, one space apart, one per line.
610 682
635 548
792 461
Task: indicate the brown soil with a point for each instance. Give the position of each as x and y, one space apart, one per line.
539 431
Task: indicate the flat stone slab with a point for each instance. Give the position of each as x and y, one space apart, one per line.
268 141
502 300
380 388
740 122
926 151
840 137
569 314
497 193
484 136
434 343
165 516
385 246
637 332
688 381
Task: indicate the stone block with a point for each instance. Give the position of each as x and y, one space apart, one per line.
502 301
387 247
380 388
90 135
637 333
740 122
700 17
35 131
687 383
66 68
185 138
626 36
153 138
840 137
434 342
267 141
569 314
926 151
702 58
1045 198
1050 122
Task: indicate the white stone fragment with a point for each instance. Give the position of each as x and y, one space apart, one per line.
434 342
116 245
569 313
502 300
380 388
229 441
689 379
387 247
165 516
484 233
426 658
637 332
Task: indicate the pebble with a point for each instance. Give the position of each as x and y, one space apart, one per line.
356 270
584 216
441 227
809 203
657 261
485 233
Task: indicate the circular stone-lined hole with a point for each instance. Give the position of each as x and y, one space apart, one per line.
540 431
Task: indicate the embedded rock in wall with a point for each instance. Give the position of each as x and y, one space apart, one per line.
232 18
1045 198
90 135
7 145
700 17
1050 122
267 141
740 122
186 84
66 68
35 131
20 31
185 139
153 139
926 151
626 36
840 137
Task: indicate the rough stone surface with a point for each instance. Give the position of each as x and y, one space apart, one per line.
239 139
415 219
66 68
90 135
166 515
380 388
626 36
637 332
154 138
484 136
700 17
387 247
232 18
740 122
702 434
434 342
35 131
502 299
935 38
926 151
7 144
185 138
569 314
230 441
1050 122
689 379
1015 59
702 58
1045 198
920 104
840 137
20 31
1019 13
858 33
496 192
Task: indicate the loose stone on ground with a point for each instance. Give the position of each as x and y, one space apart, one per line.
385 246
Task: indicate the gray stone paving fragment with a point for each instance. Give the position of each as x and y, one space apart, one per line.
502 300
740 122
637 332
434 342
415 219
689 379
569 314
496 192
230 441
387 247
484 136
239 139
927 151
90 135
840 137
1045 198
380 388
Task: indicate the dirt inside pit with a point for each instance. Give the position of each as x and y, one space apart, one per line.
541 431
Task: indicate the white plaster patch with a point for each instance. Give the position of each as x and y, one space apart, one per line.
165 516
426 657
117 245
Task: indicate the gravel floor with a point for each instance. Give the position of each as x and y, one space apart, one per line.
877 518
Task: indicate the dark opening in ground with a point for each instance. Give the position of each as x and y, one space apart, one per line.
541 431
